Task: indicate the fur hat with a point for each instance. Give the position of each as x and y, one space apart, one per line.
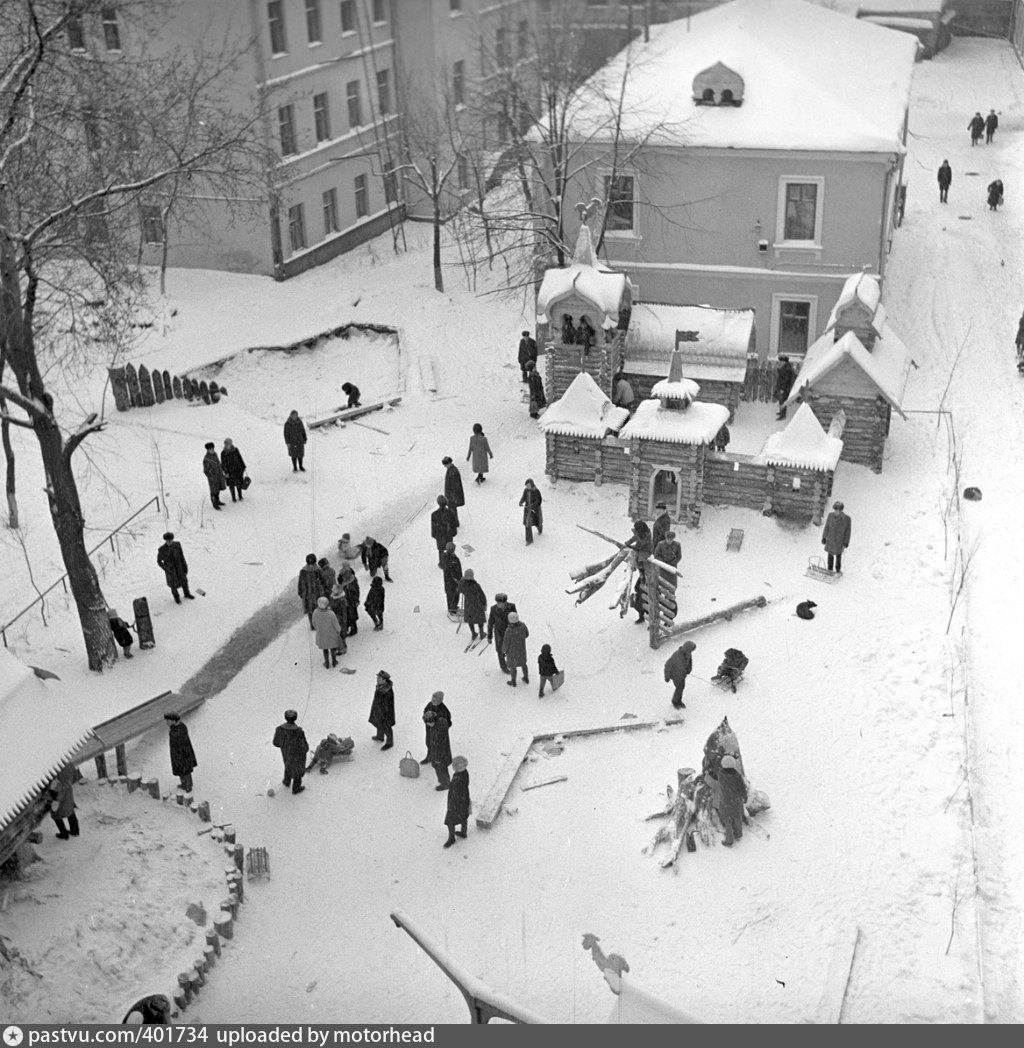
729 762
441 500
460 763
468 574
172 716
209 446
513 617
384 674
689 646
450 547
429 716
310 558
291 716
545 649
168 536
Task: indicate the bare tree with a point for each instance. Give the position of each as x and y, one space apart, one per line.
85 139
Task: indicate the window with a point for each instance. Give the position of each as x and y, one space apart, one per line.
93 138
379 12
76 34
459 82
330 212
799 217
794 326
355 103
390 182
348 16
297 227
462 172
111 31
501 45
286 127
522 38
362 197
384 91
321 118
152 224
619 203
314 32
275 19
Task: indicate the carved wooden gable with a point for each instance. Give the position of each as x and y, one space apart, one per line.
718 85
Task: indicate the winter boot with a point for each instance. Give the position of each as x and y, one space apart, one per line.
448 843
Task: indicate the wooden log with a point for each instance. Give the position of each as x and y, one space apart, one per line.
195 981
230 904
132 380
101 766
176 386
168 386
158 386
213 941
723 613
203 811
122 760
179 798
185 986
204 392
145 387
134 782
239 855
180 999
236 882
209 957
229 833
347 414
837 979
491 807
224 925
199 965
152 787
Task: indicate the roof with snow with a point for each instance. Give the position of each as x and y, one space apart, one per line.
587 277
903 7
860 289
719 352
583 410
680 389
887 365
41 729
815 79
803 444
698 424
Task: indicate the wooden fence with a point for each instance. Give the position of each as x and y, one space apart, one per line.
144 388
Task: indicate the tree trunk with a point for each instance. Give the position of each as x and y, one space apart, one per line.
12 499
438 275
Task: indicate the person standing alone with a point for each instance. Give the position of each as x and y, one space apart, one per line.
945 180
171 557
991 123
480 452
295 439
835 536
527 353
290 739
514 647
183 757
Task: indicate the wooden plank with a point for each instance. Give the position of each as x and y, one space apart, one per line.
347 414
491 807
837 980
544 782
603 729
133 723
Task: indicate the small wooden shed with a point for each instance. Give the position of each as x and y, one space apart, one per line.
714 344
580 435
859 366
583 297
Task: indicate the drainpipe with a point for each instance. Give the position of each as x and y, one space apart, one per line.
887 215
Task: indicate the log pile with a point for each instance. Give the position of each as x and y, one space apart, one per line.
593 576
690 810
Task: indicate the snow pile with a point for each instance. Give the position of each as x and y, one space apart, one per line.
583 410
698 424
803 443
814 79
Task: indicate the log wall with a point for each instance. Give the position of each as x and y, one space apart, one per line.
563 363
867 424
711 392
735 480
587 458
806 505
650 455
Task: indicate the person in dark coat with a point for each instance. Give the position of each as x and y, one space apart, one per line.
374 556
497 623
444 526
474 606
514 646
734 795
1019 340
568 330
328 633
451 568
722 438
945 180
374 603
439 748
349 582
641 544
533 516
290 739
453 491
214 475
537 398
62 803
338 603
457 813
382 710
677 669
183 757
527 353
295 438
668 551
784 379
441 710
586 336
122 632
480 452
835 536
662 525
311 586
546 668
991 123
327 575
352 392
233 466
171 558
995 194
976 127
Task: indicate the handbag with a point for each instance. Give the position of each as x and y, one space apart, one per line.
558 680
246 481
409 767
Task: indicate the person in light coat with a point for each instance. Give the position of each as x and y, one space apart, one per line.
835 536
513 646
328 633
479 453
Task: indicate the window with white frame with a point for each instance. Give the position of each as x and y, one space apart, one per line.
348 16
799 211
330 212
321 117
75 33
297 227
111 30
152 224
286 130
380 12
275 20
384 91
355 103
362 196
793 323
620 204
314 30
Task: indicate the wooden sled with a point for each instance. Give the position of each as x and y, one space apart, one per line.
727 682
347 414
257 863
816 570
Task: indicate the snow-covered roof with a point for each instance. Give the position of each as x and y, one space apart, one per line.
607 290
887 365
815 79
859 287
903 7
681 389
40 727
803 443
899 21
583 410
718 354
698 424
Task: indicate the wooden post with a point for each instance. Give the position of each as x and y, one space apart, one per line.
213 942
229 833
209 957
237 884
230 904
224 925
119 387
134 782
204 811
194 982
152 787
101 766
122 760
185 985
239 855
180 999
724 613
653 605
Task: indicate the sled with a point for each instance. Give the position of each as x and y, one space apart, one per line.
816 570
326 760
257 863
735 540
727 683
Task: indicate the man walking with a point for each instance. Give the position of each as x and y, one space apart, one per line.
233 466
214 474
514 646
537 398
677 669
945 180
991 123
444 526
497 623
171 558
976 126
290 739
835 536
527 353
453 490
183 757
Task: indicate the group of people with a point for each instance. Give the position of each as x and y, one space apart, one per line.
983 125
224 472
657 541
978 125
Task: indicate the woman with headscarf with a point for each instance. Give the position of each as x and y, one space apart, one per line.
328 632
480 452
533 517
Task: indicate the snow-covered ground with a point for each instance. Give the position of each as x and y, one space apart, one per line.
893 787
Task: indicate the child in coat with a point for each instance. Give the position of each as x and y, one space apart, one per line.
459 804
546 668
121 631
374 602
